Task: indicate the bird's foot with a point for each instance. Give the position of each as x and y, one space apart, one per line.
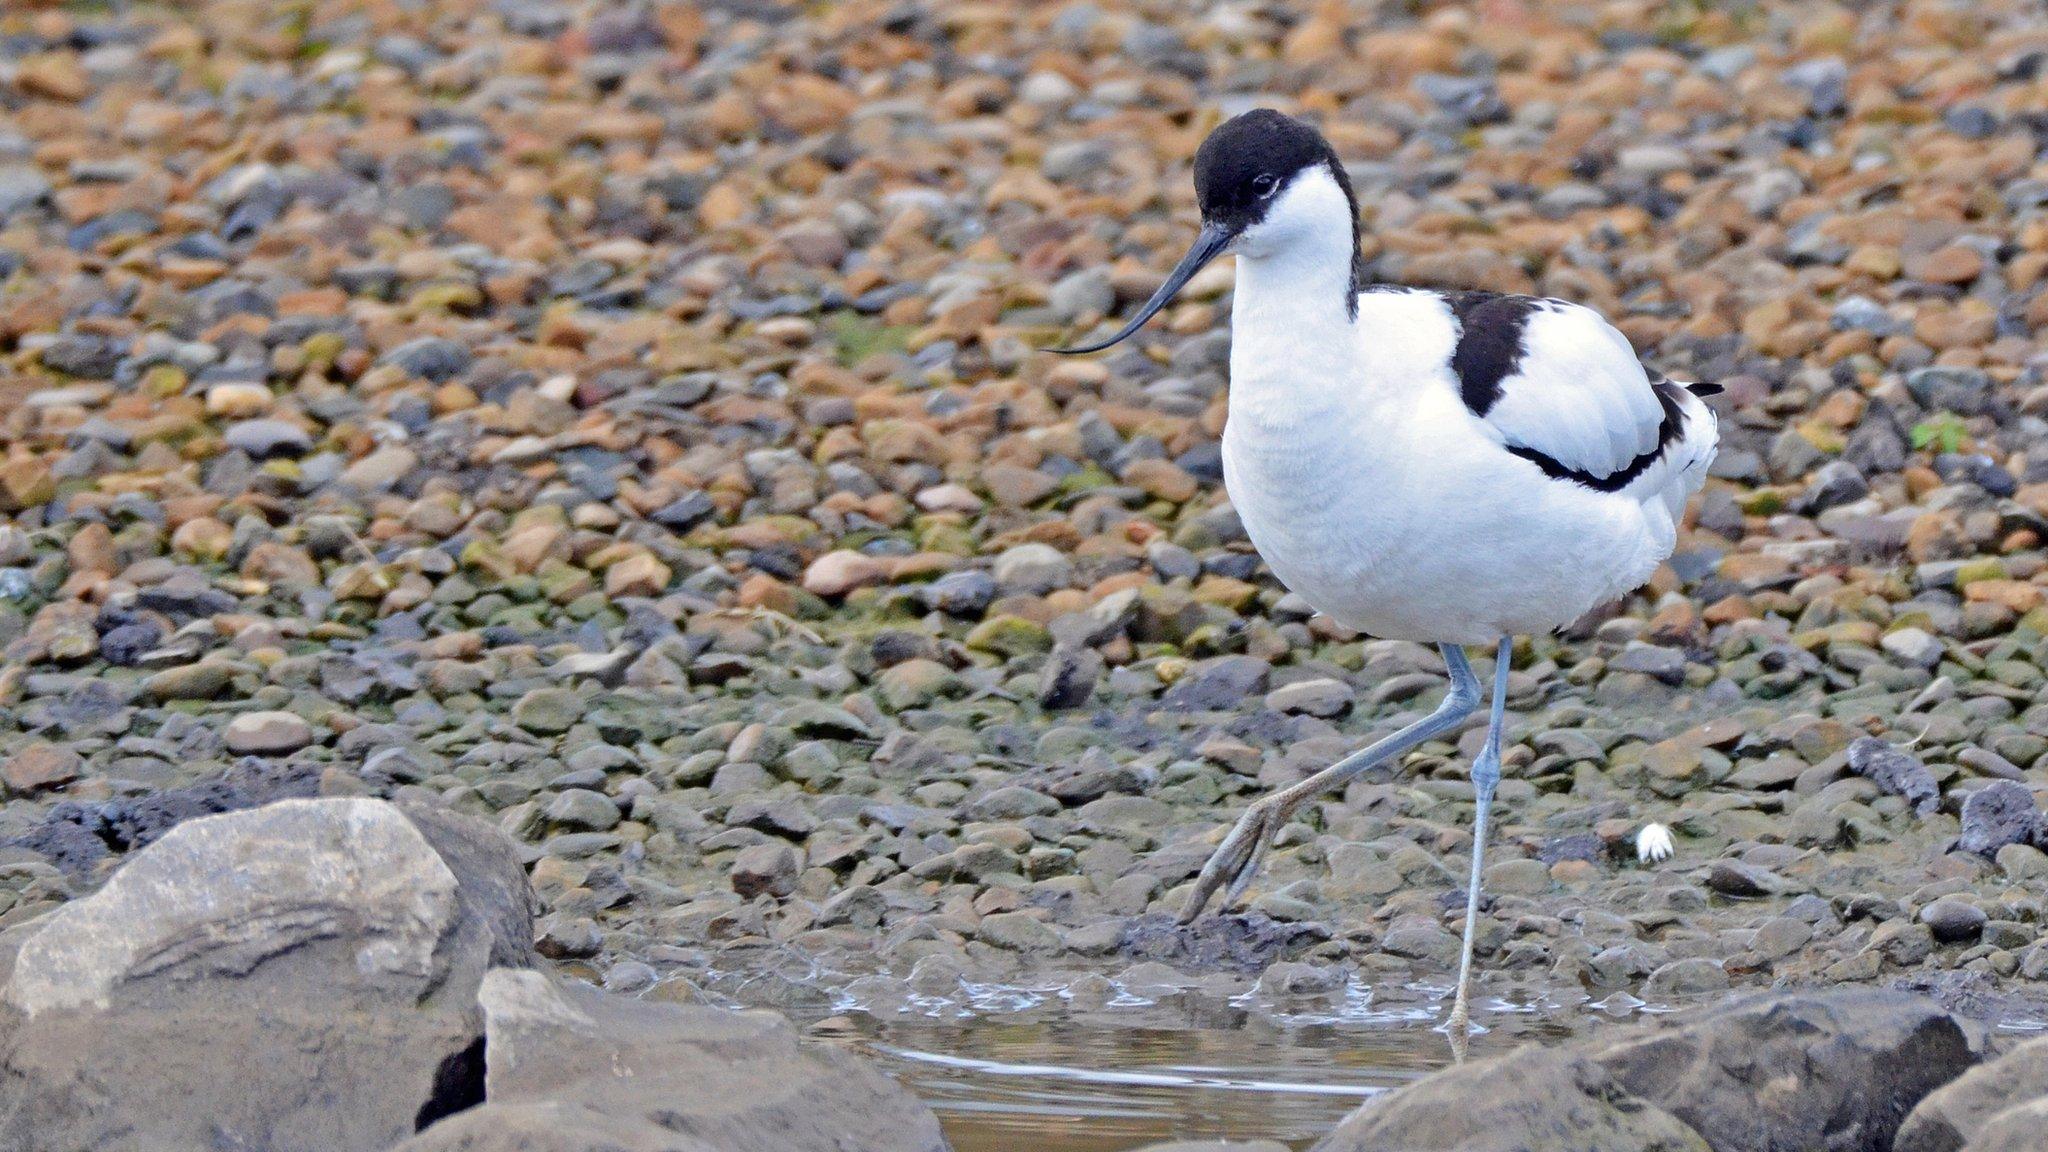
1236 860
1458 1030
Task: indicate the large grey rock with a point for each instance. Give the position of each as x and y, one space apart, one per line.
263 1074
1821 1072
547 1127
738 1081
1528 1101
296 977
1955 1115
2017 1129
1824 1072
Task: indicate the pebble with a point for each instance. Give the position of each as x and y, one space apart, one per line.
1323 697
1953 921
1895 771
40 767
265 438
770 869
548 710
267 733
837 573
2002 812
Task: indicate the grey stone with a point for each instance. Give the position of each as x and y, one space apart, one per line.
738 1081
430 357
1216 684
1686 977
1743 880
1953 921
1102 622
1420 938
1013 803
1082 294
1913 645
770 868
1215 1146
1666 664
268 436
177 912
1032 569
548 1126
1074 159
1956 1115
548 711
964 593
1902 942
824 721
267 733
1529 1101
1321 696
1834 1071
1018 932
1835 483
2017 1129
2000 813
1292 978
583 809
21 186
1824 79
1067 679
684 512
381 469
299 977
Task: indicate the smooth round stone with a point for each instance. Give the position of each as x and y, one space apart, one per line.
267 734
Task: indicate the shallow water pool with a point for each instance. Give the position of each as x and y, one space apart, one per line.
1053 1079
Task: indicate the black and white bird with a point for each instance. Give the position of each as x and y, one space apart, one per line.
1448 467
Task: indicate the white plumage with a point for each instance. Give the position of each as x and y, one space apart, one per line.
1451 467
1370 486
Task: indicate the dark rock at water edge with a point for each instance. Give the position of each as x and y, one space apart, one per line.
1997 1094
1536 1101
739 1082
1836 1072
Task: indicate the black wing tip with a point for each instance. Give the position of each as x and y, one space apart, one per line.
1705 389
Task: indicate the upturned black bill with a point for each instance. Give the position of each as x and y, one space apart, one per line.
1209 243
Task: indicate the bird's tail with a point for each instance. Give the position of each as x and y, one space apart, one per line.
1693 454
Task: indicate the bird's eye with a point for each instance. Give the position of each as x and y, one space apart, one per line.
1266 184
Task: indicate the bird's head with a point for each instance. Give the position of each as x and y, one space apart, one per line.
1266 182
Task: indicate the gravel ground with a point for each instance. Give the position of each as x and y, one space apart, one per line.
624 424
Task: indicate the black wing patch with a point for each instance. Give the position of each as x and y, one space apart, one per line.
1490 345
1669 429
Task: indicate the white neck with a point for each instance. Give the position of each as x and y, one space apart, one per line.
1294 338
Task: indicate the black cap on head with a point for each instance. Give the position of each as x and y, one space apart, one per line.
1239 171
1242 166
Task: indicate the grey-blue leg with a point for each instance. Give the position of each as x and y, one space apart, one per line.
1236 860
1485 778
